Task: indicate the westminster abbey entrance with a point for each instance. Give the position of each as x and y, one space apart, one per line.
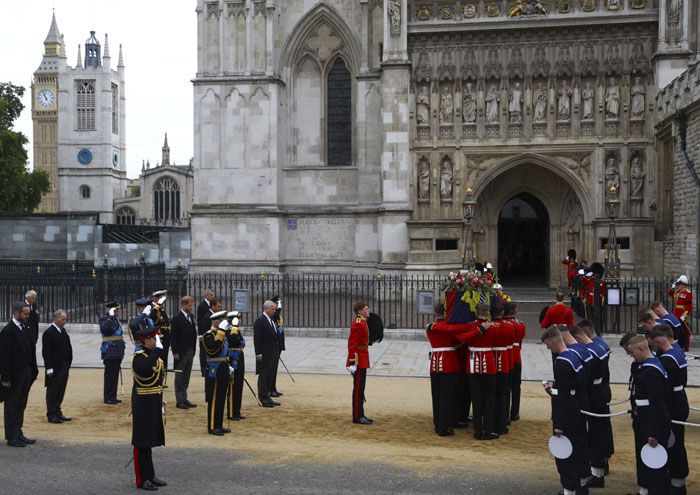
523 241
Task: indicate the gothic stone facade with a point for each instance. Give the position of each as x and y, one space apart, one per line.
551 98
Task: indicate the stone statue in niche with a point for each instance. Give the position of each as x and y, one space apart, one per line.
395 16
447 106
423 106
612 175
539 99
637 107
423 179
637 178
469 105
515 101
564 102
492 99
612 100
673 7
446 179
587 95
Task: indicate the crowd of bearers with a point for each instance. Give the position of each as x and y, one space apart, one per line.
485 354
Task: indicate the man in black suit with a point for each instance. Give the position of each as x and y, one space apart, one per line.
33 321
58 356
279 323
18 371
183 339
203 325
266 343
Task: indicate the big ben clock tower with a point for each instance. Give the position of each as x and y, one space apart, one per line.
79 127
45 113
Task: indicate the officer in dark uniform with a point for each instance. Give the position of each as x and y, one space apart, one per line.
112 350
146 401
236 344
218 371
161 322
279 323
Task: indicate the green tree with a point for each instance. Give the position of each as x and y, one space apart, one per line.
22 189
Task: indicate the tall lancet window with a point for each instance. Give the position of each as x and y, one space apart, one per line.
338 108
85 106
166 200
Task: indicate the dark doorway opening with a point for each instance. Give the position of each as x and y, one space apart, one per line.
523 241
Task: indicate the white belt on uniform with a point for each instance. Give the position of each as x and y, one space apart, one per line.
516 344
597 381
678 388
509 347
479 349
641 402
442 349
499 348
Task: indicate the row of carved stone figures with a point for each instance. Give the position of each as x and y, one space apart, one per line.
540 101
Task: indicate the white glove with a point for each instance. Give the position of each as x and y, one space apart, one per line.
147 310
231 371
159 344
161 300
234 321
112 311
352 369
674 285
682 318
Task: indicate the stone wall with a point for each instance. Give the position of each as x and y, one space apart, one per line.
79 237
678 101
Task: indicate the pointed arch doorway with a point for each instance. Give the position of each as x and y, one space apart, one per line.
523 241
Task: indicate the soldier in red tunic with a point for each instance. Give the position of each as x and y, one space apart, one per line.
510 311
571 266
357 361
445 369
481 368
559 314
502 331
682 299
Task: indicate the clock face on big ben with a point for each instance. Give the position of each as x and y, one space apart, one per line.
45 98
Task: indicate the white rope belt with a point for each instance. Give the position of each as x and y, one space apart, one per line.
442 349
597 415
479 349
684 423
617 402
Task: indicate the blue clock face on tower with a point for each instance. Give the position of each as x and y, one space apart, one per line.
85 156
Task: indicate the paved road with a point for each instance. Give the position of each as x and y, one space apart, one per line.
54 469
388 358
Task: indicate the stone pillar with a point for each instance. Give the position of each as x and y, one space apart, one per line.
271 23
364 35
249 36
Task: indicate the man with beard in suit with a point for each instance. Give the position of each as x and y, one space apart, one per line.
18 371
183 339
58 356
265 339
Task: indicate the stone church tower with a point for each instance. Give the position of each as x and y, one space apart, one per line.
341 135
79 127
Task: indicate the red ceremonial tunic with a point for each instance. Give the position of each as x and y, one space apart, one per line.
559 314
502 343
571 270
682 302
444 357
358 342
481 356
518 336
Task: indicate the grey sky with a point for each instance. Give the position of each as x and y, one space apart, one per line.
159 42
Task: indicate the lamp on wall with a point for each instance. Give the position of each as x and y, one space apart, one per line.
468 209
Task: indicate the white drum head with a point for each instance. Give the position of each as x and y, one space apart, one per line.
654 457
560 447
671 441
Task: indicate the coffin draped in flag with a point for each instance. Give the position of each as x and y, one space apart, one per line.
460 305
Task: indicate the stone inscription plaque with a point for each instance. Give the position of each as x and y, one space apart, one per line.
320 238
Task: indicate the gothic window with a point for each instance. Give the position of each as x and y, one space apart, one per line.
338 107
126 215
85 192
115 109
166 200
85 105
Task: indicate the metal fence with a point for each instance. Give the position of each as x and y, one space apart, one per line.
310 300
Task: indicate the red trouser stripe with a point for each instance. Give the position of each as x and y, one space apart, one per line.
356 402
137 467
